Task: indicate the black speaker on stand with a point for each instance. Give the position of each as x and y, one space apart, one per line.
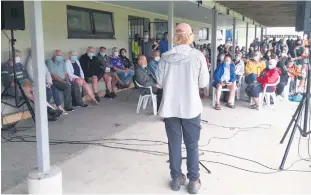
13 18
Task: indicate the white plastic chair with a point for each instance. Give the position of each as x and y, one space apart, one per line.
266 95
143 99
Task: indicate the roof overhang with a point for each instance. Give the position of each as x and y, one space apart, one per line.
267 13
188 10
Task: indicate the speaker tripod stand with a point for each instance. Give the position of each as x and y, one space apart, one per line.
19 101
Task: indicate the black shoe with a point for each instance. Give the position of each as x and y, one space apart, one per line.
51 118
84 105
107 95
97 97
55 113
69 109
113 95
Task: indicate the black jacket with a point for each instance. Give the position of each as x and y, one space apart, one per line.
104 62
91 67
144 78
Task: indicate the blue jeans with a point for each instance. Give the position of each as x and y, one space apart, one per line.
53 92
125 77
189 129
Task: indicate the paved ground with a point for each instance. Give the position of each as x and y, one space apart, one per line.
105 170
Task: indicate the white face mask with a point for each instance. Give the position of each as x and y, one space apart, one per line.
17 59
115 53
256 58
144 65
157 58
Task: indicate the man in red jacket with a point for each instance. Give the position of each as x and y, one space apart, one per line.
268 76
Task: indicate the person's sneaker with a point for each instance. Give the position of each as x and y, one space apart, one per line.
194 186
176 183
254 106
51 118
108 95
55 113
62 109
97 97
69 109
113 95
84 105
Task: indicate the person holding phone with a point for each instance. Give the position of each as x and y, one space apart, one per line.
225 77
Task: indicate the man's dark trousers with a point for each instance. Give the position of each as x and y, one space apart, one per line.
66 89
189 129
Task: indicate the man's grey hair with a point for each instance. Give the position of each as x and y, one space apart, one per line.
90 47
55 51
115 49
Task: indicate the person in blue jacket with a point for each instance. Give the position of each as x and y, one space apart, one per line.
224 77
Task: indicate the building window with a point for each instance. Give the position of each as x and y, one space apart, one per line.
89 24
203 34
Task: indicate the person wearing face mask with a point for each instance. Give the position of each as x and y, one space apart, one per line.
123 73
163 44
253 68
221 58
250 53
146 78
21 75
268 76
225 77
125 61
148 45
76 77
239 67
60 78
153 63
111 78
93 73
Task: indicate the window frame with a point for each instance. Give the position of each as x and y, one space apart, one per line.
207 34
92 34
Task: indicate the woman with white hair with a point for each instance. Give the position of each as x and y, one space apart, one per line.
268 76
76 76
181 71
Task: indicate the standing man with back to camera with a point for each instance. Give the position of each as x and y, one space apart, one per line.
181 107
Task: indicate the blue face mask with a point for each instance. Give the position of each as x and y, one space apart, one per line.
58 58
74 58
102 54
270 66
222 58
227 64
90 55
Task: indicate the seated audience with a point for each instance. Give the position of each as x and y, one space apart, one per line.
7 77
123 73
153 63
145 78
110 76
124 59
91 69
224 76
60 79
239 67
283 79
221 58
76 76
163 44
268 76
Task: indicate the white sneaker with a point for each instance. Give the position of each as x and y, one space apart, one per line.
280 98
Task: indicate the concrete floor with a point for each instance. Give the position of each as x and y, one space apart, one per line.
105 170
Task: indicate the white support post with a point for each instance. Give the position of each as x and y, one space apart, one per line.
246 44
261 35
44 179
233 37
255 32
266 31
171 24
214 49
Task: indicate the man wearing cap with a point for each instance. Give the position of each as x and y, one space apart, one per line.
181 107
